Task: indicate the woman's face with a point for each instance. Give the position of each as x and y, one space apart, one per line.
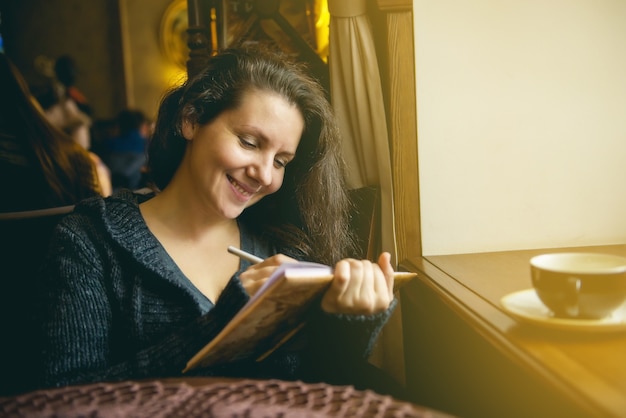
238 158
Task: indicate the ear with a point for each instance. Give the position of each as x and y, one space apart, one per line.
188 129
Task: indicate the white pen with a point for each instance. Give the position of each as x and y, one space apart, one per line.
245 255
398 275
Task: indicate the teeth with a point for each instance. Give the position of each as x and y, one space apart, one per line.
238 187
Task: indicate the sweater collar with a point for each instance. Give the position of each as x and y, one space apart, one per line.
124 223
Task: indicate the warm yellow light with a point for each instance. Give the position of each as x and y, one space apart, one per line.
174 25
322 31
173 76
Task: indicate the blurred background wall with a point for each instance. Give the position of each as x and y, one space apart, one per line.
521 123
115 46
88 31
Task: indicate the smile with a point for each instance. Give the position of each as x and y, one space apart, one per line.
240 188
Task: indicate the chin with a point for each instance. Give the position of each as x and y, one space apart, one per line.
233 213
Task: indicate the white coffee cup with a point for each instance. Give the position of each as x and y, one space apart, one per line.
580 285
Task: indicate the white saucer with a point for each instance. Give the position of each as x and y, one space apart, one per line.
526 306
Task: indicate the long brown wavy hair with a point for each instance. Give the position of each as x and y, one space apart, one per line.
309 216
64 167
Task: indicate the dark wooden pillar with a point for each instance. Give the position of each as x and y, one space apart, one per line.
199 35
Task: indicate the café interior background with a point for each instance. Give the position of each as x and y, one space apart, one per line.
521 107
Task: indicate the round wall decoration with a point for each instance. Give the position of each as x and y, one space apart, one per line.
173 33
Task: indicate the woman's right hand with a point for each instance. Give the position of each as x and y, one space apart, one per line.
254 277
360 287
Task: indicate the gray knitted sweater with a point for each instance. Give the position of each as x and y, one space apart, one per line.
113 305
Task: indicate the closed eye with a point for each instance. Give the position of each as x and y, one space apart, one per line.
284 158
251 143
246 142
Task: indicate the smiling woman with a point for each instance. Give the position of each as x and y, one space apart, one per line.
137 51
293 113
244 154
240 156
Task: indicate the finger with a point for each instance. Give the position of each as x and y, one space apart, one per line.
384 261
270 263
275 260
354 288
279 259
367 286
341 280
257 273
336 291
381 286
252 286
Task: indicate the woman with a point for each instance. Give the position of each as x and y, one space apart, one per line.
244 154
40 167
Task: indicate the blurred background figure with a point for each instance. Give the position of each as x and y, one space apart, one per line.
40 166
66 73
104 174
64 113
57 98
126 152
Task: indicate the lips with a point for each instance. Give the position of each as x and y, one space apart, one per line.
246 191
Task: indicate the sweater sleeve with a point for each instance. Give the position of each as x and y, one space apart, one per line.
346 336
331 347
82 337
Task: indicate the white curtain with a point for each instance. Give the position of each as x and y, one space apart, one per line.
357 99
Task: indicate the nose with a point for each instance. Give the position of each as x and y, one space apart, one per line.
262 171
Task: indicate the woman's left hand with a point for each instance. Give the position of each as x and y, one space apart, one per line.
360 287
253 278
